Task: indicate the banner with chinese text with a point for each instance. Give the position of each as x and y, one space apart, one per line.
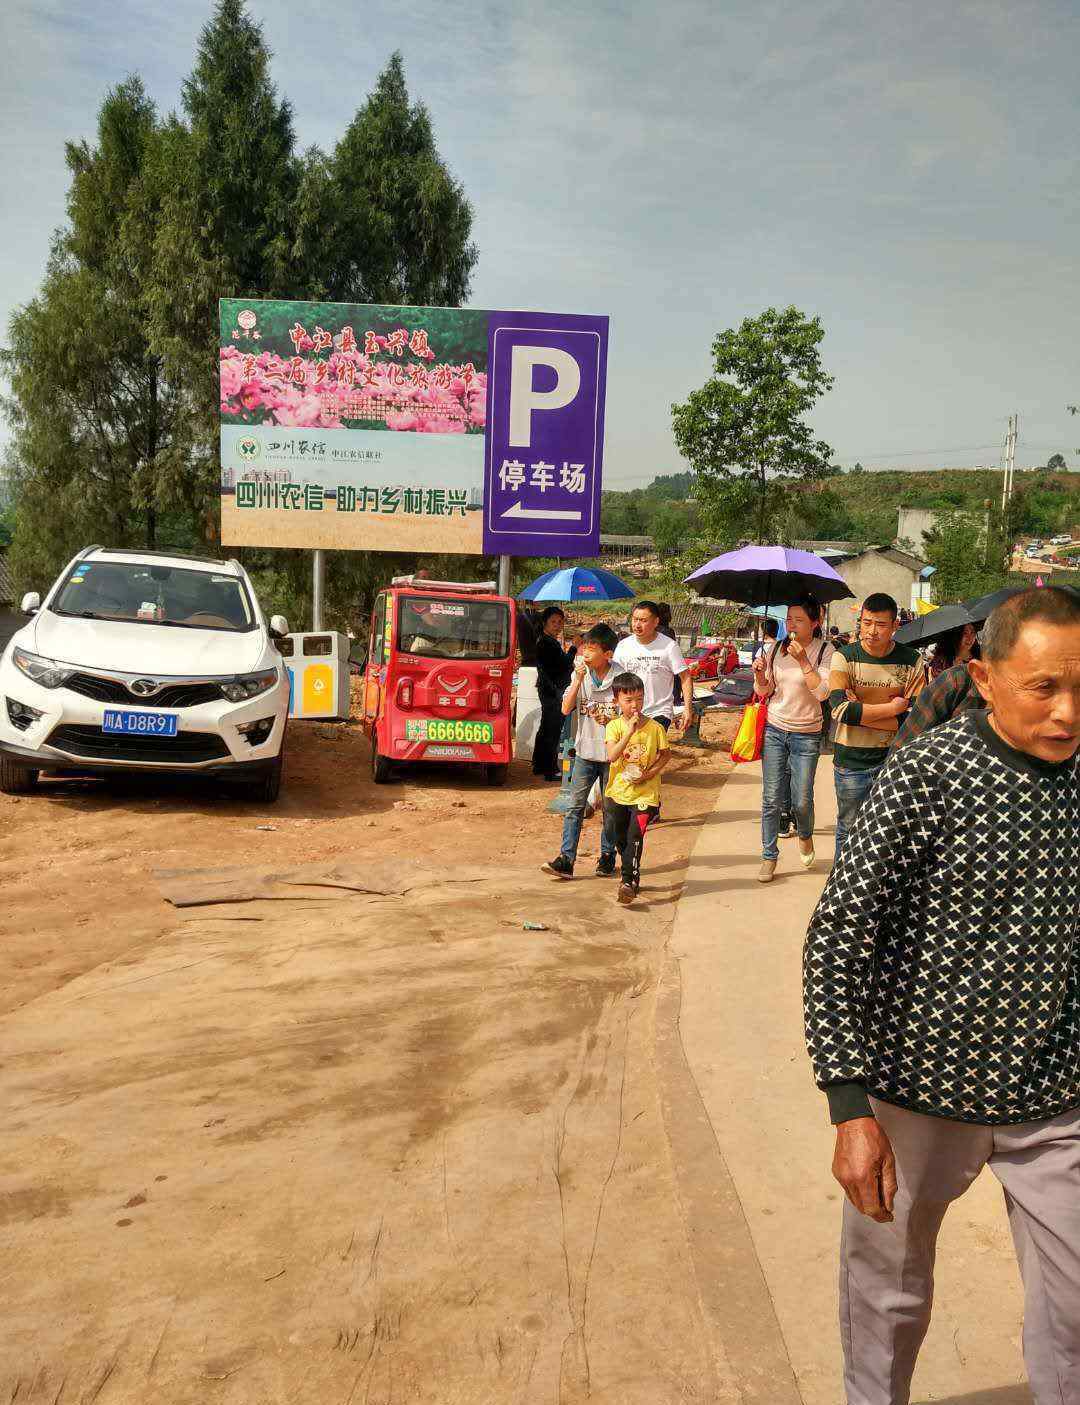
363 427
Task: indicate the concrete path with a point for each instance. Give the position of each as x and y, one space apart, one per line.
737 944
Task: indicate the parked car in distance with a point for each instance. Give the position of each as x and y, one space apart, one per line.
733 689
145 661
711 660
1063 540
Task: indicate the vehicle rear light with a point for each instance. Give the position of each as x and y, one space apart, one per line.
404 692
494 699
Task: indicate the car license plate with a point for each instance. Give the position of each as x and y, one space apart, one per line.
440 729
142 724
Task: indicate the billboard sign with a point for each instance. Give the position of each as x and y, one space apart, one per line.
365 427
545 434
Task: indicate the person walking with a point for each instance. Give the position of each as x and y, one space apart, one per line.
794 680
553 669
590 692
871 684
637 750
658 662
950 694
941 979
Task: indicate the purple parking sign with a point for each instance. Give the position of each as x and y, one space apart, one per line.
544 448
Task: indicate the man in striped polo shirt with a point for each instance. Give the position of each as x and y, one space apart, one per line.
871 685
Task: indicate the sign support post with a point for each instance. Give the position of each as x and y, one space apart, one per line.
504 575
318 589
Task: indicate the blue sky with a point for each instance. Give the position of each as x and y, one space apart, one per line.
907 172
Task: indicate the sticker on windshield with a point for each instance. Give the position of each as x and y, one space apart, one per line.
440 607
223 580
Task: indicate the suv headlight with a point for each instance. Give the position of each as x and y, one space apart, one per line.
46 672
250 685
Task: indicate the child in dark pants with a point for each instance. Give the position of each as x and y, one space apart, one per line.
637 749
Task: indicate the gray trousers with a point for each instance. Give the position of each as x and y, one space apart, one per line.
887 1270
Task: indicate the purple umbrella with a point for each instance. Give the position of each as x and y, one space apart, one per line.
769 575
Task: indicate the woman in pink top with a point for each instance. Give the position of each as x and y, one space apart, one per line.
794 677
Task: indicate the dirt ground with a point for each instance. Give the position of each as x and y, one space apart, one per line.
338 1146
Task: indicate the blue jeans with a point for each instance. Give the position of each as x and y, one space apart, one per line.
581 782
852 788
788 763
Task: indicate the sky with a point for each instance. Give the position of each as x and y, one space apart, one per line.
908 173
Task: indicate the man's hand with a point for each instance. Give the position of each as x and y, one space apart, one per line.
580 666
900 705
864 1165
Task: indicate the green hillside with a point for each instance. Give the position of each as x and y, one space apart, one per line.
859 506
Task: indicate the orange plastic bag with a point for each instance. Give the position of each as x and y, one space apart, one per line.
751 734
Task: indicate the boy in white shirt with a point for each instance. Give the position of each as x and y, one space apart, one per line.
590 692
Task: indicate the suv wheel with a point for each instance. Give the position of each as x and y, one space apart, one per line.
268 787
16 780
496 773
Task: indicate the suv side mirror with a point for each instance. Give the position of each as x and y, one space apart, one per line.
31 602
279 626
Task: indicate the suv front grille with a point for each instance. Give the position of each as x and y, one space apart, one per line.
92 744
111 690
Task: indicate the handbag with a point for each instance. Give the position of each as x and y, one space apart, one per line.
750 737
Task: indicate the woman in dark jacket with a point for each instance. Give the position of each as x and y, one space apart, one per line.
553 669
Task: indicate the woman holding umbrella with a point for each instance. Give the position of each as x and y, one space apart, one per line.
794 678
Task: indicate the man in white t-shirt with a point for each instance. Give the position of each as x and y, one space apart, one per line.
658 662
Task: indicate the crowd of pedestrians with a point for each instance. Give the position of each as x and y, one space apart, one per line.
627 694
942 964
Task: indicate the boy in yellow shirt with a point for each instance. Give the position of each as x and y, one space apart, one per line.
637 749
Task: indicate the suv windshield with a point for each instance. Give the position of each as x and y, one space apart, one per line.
439 628
140 593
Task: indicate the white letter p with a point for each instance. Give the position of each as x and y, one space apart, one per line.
524 399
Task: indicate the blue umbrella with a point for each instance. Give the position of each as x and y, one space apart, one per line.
577 583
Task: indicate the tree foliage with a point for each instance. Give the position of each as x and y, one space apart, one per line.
114 365
746 425
966 562
94 413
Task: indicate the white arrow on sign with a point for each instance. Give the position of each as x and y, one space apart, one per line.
547 513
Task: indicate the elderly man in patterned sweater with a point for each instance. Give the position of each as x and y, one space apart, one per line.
942 1000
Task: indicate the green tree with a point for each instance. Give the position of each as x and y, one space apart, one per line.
228 178
746 423
1056 464
966 562
383 219
114 365
857 467
93 412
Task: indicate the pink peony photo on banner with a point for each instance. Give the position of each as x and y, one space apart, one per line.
357 375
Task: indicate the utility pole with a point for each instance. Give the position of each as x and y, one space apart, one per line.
1010 465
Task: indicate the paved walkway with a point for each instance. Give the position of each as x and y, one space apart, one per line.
737 944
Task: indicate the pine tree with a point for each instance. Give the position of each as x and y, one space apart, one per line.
92 411
385 221
229 180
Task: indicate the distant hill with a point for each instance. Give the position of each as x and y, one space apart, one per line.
859 506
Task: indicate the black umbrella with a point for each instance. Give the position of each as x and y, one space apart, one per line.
981 607
927 628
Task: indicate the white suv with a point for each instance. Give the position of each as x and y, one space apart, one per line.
145 661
